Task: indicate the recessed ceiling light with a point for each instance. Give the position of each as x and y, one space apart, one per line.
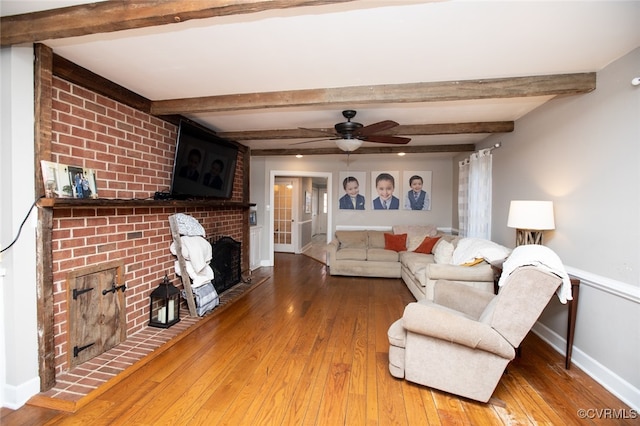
299 155
401 154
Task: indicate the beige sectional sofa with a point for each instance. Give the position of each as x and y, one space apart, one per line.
363 253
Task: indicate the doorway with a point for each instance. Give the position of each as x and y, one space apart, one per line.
276 178
284 216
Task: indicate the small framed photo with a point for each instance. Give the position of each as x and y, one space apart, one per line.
307 202
253 218
65 181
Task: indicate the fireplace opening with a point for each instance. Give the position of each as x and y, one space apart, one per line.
226 263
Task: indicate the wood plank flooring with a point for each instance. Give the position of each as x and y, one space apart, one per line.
305 348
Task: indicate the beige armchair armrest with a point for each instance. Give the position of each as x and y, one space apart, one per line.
443 271
428 319
332 248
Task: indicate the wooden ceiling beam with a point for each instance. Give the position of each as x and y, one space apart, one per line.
111 16
76 74
445 91
383 149
405 130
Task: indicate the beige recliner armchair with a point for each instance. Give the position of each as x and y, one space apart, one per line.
462 341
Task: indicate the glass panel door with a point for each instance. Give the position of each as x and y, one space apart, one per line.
283 220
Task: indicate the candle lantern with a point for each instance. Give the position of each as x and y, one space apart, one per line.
165 305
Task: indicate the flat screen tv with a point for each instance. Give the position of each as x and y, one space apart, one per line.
204 165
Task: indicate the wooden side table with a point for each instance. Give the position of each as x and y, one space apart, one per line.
572 305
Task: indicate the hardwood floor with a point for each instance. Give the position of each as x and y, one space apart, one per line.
305 348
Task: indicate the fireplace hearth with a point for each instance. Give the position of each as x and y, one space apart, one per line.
226 263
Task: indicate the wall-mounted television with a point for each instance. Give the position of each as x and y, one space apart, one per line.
204 165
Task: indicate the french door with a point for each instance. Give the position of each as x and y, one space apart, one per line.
284 220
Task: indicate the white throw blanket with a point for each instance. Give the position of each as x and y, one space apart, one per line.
197 254
540 256
197 278
469 249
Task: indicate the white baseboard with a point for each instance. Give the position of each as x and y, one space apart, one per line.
615 384
16 396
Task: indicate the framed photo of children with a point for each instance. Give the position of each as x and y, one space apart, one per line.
384 191
352 192
416 193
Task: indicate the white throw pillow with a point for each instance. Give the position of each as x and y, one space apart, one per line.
443 251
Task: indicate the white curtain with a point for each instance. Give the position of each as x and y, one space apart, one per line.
463 197
474 195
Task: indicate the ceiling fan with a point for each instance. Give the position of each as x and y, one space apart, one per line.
349 135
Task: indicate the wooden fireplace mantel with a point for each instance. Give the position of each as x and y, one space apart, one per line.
110 203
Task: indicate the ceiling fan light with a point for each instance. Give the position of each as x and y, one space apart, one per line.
348 145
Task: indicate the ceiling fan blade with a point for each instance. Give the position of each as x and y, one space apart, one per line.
397 140
323 131
315 140
376 127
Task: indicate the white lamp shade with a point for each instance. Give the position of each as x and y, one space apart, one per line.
348 145
537 215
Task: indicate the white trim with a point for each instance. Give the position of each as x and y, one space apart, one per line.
16 396
608 285
451 231
600 373
283 173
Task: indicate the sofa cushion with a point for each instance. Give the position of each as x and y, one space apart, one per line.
443 251
352 239
376 239
351 254
382 255
395 242
426 247
416 230
416 263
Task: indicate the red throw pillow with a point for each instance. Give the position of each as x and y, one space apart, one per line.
427 245
395 242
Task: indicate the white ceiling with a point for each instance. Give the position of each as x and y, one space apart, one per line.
368 42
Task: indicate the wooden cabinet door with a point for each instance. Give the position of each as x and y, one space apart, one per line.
97 313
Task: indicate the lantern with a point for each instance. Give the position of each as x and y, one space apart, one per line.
165 305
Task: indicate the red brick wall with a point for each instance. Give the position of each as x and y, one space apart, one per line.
132 153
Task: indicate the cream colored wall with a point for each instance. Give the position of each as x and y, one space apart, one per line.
441 196
583 153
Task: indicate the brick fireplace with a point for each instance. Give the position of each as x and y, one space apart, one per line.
132 153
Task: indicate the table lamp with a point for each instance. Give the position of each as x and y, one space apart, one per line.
530 218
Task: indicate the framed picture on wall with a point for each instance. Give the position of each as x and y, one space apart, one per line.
307 202
352 189
384 190
253 218
416 193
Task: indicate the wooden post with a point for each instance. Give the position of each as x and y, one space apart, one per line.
186 280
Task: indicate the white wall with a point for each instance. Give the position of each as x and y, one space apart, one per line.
583 153
19 378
